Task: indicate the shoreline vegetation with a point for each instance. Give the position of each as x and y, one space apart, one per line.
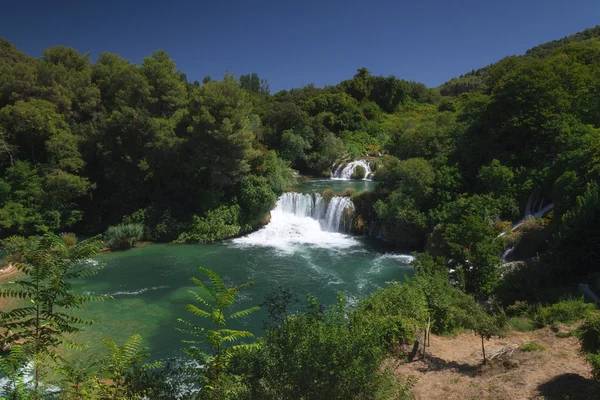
94 147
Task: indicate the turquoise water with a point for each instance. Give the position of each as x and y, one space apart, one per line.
339 186
149 284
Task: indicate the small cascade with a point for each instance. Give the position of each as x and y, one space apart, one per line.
535 209
507 253
338 216
345 171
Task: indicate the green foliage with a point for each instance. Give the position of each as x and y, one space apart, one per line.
215 299
590 343
118 364
220 223
522 324
359 172
319 354
532 346
14 367
566 311
575 251
45 321
123 235
256 199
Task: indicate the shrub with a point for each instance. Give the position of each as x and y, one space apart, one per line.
160 225
392 313
318 354
69 239
532 346
590 344
217 224
349 191
521 324
565 311
359 172
328 194
123 235
590 335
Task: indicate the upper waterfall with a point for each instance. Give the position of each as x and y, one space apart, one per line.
345 171
303 218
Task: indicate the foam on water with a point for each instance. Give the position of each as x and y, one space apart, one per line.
286 232
130 293
304 219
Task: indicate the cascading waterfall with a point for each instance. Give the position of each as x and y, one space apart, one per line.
344 171
338 215
333 217
535 209
301 218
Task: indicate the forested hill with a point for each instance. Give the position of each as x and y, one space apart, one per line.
84 145
87 145
472 80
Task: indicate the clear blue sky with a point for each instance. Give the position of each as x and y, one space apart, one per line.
293 43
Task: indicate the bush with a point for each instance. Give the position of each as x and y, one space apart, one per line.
328 194
392 313
220 223
565 311
521 324
69 239
532 346
313 355
359 172
350 191
590 344
123 235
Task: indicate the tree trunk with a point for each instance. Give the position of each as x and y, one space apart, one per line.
483 349
415 350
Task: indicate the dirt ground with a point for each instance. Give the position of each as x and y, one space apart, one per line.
453 369
6 274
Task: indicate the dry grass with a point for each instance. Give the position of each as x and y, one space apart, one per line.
454 370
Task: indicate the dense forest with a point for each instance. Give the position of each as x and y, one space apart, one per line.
85 146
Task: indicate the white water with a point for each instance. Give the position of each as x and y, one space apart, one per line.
534 209
305 219
345 171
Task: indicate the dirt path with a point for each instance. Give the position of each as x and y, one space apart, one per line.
453 369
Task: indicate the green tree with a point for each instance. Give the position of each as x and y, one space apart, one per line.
50 263
167 90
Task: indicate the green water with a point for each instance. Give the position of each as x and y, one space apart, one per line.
339 186
149 284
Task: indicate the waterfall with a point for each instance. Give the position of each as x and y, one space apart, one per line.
535 209
344 171
333 217
302 218
338 215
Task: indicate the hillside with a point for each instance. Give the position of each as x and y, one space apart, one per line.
472 80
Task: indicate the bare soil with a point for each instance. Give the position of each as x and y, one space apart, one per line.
453 369
6 274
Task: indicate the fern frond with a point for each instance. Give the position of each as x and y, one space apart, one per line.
244 313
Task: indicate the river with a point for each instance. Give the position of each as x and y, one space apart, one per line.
298 249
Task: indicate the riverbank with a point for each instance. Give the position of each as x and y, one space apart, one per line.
453 368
